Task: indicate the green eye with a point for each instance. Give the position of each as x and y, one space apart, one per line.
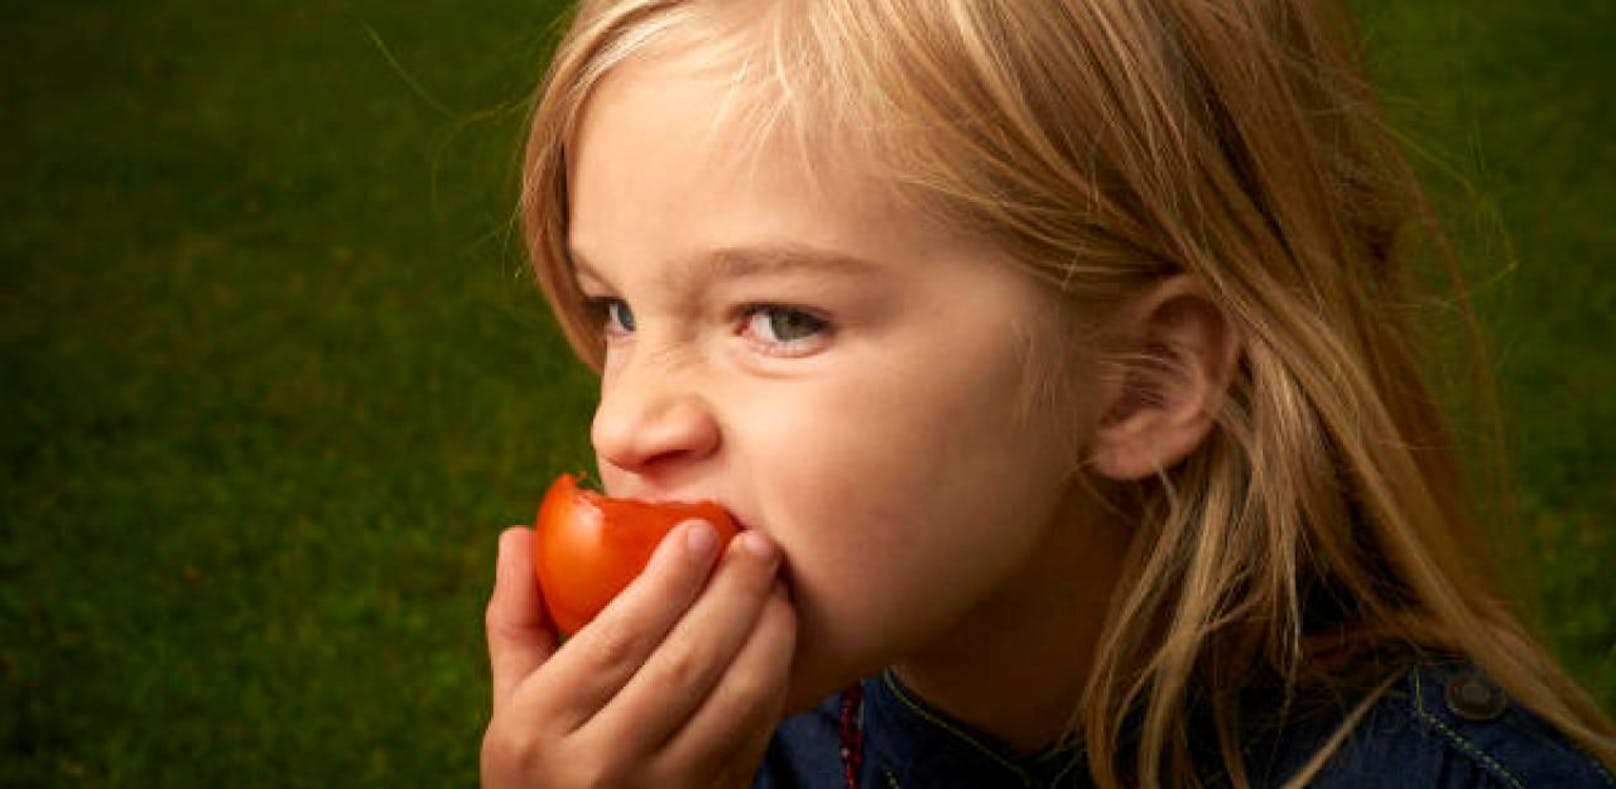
618 316
785 328
787 325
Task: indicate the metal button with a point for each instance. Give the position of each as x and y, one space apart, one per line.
1473 696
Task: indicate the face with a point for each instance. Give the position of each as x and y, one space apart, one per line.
838 373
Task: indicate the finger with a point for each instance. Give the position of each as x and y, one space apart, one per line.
600 658
735 722
678 676
519 641
740 773
740 767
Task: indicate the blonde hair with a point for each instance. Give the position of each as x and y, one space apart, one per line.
1322 531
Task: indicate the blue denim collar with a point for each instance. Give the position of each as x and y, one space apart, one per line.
1437 726
915 744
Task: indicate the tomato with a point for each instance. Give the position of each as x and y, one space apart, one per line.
587 547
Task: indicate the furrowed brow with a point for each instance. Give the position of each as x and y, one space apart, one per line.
741 262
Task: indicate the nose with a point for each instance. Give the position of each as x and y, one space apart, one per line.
651 419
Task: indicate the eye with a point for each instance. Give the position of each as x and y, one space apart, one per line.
785 331
612 315
618 314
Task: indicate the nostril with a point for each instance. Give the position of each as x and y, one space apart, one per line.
638 434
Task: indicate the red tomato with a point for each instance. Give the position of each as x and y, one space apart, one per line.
588 547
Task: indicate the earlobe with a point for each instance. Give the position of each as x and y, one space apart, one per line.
1162 404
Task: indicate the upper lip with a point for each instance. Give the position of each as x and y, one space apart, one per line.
735 515
740 522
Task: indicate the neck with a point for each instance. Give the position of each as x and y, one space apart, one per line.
1015 666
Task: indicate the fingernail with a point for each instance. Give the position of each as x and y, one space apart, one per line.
759 545
700 539
503 550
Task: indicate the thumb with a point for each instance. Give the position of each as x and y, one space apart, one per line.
518 639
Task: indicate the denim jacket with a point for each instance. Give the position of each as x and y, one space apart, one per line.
1442 725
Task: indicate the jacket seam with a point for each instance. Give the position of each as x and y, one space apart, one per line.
1026 780
1468 747
1600 768
892 782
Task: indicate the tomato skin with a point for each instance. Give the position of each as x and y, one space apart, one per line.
587 547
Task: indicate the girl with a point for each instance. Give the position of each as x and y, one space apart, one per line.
1055 357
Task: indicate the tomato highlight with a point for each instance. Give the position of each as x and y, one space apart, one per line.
588 546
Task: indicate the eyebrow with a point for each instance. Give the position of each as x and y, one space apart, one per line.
740 262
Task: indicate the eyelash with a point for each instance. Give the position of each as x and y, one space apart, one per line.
599 310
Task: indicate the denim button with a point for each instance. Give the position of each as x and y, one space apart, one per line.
1473 696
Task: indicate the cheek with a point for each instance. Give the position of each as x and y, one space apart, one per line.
897 510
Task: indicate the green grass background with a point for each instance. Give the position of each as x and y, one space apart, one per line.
275 377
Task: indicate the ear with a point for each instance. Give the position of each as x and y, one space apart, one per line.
1181 354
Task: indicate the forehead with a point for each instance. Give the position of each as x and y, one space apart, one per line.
681 151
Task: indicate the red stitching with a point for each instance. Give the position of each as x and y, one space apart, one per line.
852 733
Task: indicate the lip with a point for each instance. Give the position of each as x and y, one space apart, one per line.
742 523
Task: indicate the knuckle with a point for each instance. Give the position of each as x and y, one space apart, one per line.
505 752
744 580
596 770
594 776
682 664
747 686
761 677
667 772
502 631
614 643
516 755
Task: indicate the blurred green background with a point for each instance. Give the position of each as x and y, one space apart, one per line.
275 375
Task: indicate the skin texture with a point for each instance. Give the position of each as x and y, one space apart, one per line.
920 518
884 457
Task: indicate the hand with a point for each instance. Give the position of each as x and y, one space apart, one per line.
677 683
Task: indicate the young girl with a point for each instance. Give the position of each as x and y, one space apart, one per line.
1056 359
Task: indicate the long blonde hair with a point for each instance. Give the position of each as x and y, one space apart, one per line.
1103 146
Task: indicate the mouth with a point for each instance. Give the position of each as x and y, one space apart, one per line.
694 504
740 523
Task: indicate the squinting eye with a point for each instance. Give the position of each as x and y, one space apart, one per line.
617 318
784 327
617 311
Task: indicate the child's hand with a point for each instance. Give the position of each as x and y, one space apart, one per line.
675 684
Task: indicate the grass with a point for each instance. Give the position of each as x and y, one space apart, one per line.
1507 100
275 376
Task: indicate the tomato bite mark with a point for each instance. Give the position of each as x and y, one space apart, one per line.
588 546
